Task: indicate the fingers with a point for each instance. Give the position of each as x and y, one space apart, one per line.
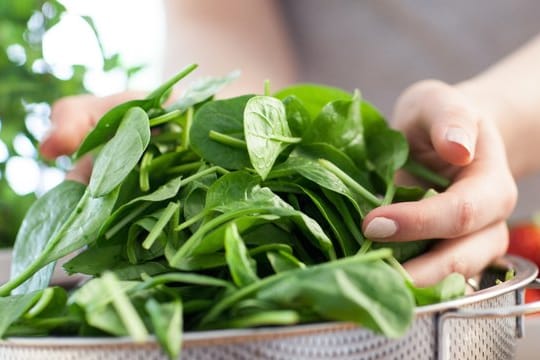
443 114
482 193
73 117
82 170
466 255
447 134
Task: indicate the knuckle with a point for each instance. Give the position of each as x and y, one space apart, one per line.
419 223
407 102
60 106
465 213
457 264
429 86
458 112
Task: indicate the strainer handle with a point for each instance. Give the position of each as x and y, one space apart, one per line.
517 311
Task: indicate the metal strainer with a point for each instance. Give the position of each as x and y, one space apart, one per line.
483 325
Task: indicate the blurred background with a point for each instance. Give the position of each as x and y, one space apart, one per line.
50 49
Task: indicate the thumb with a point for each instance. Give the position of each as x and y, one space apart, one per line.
443 114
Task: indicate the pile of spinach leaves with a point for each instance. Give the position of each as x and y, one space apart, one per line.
231 213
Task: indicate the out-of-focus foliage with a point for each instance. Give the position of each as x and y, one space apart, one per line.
27 80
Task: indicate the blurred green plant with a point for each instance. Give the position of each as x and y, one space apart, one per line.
28 86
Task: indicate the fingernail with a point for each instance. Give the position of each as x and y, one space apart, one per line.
380 228
460 137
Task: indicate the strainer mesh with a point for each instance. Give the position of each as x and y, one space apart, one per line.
468 339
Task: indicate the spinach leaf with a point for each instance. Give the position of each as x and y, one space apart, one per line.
298 117
313 97
337 290
94 301
387 149
43 220
14 306
266 132
80 228
241 266
340 124
131 140
108 124
451 287
167 323
283 261
120 218
201 90
225 117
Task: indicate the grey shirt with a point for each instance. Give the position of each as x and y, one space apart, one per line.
382 46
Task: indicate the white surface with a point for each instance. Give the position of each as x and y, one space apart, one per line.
528 348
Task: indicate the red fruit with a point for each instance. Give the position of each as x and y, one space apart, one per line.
532 295
525 241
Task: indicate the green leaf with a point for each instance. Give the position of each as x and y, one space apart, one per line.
13 307
451 287
121 215
95 302
387 150
82 227
241 266
283 261
41 223
324 290
124 308
225 117
297 116
79 229
131 140
313 97
167 323
229 189
266 132
109 123
348 293
51 303
201 90
340 124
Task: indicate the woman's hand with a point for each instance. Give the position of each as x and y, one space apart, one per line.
447 133
72 118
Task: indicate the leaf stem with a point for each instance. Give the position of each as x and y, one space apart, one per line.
424 173
374 200
180 169
227 140
203 173
400 269
125 220
187 128
157 93
161 119
144 175
128 315
160 224
190 221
